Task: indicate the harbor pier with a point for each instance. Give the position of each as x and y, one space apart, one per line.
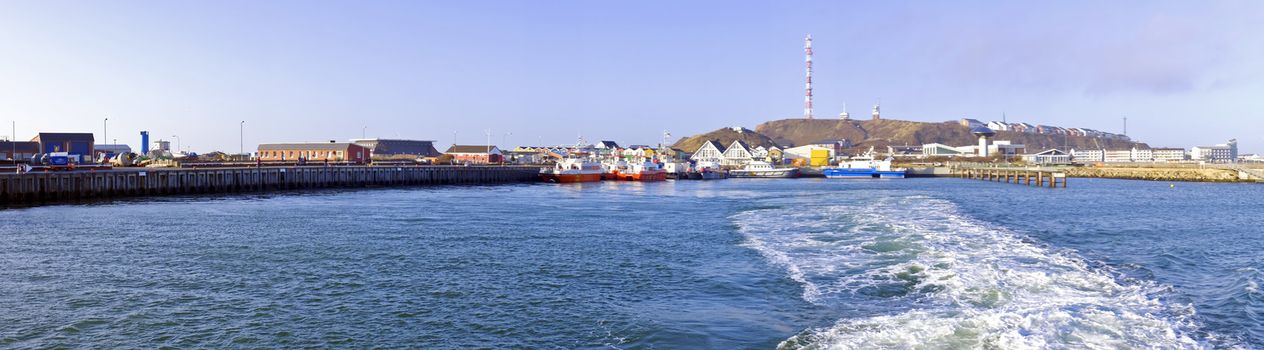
55 186
1039 177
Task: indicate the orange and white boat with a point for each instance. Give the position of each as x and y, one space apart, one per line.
642 171
612 168
571 170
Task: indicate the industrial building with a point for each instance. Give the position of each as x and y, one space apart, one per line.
22 151
313 152
812 155
1221 153
381 149
110 151
79 146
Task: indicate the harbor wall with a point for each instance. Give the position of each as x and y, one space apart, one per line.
929 172
1160 174
62 186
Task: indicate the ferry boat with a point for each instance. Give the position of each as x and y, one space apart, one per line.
572 170
761 169
864 167
641 171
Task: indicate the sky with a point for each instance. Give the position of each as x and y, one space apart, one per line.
1184 73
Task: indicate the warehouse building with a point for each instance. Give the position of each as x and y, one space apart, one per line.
470 154
20 150
313 152
380 149
79 146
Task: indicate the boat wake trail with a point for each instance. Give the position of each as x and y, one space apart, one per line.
913 272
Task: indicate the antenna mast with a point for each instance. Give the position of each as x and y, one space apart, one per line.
807 99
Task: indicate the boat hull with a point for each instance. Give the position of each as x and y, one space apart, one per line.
844 173
765 174
570 178
709 175
642 176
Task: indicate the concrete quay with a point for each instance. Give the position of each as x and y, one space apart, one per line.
43 187
1164 174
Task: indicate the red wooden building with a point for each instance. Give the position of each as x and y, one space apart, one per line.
475 154
313 152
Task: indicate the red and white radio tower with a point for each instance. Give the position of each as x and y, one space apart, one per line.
807 99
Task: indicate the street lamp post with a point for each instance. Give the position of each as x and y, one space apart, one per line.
14 142
241 138
489 146
504 142
105 130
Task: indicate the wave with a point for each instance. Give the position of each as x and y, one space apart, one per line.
913 272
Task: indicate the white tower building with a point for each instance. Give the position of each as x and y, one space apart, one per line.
983 134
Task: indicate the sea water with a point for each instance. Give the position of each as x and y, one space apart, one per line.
751 263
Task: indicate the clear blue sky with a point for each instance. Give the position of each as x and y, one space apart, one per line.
1184 72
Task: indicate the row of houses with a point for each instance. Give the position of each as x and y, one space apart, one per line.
1221 153
739 154
1040 129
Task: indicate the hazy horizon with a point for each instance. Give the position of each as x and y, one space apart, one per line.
1184 74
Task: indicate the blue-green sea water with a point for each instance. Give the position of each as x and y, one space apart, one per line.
807 263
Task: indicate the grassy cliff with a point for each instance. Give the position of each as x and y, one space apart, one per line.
724 137
881 133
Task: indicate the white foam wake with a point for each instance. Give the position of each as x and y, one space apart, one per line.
922 275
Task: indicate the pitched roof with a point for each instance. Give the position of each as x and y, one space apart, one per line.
306 146
21 146
392 147
740 143
717 146
471 149
830 142
63 135
1052 152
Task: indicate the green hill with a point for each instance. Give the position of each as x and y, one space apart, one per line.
881 133
724 137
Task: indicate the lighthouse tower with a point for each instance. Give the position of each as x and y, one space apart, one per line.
877 113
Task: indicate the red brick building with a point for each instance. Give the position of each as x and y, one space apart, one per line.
313 152
475 154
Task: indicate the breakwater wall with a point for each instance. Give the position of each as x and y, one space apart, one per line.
61 186
1161 174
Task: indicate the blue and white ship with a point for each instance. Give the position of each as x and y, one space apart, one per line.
864 167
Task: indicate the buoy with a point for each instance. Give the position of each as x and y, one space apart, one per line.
1171 185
